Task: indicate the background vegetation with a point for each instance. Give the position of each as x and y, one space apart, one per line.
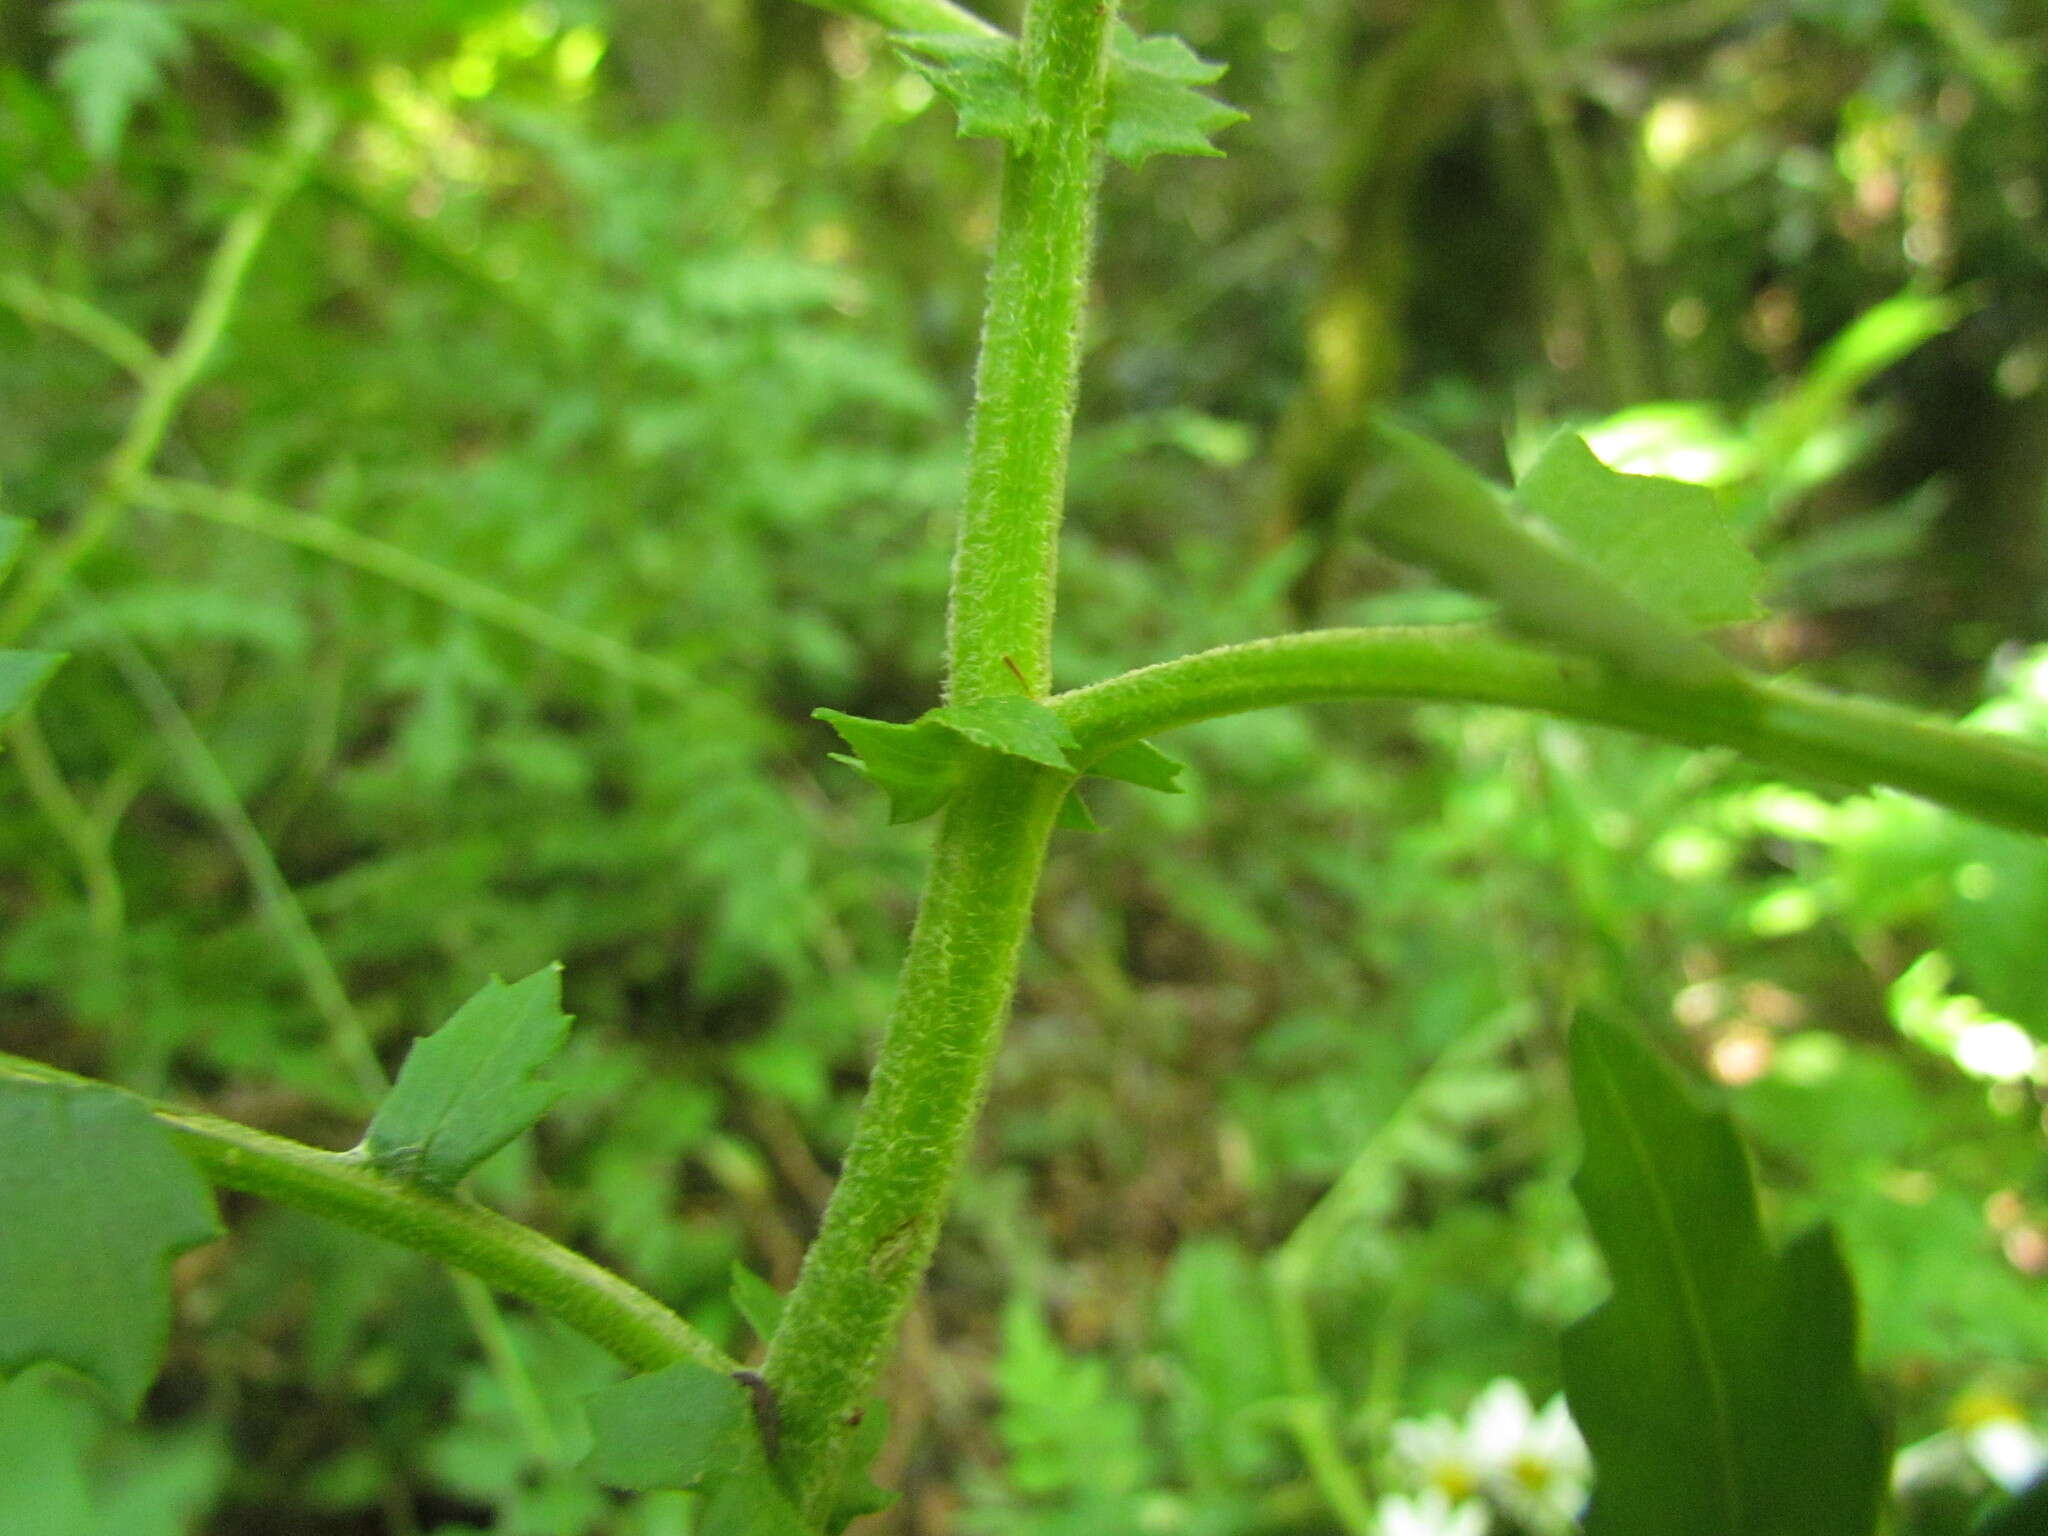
590 411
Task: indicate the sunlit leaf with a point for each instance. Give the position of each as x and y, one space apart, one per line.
1717 1386
95 1201
1666 543
474 1084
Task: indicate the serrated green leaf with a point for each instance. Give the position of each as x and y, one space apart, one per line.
1154 108
1015 727
759 1302
1717 1386
917 766
1141 763
687 1427
1666 543
22 675
95 1201
473 1084
981 77
1074 815
113 61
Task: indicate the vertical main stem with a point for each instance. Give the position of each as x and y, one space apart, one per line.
954 994
1006 559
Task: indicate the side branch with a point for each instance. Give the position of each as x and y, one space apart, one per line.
1780 725
600 1305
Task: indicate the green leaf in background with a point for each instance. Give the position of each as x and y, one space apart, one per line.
1015 727
1666 543
113 59
1717 1386
473 1084
687 1427
66 1471
980 76
22 675
758 1301
1141 763
1074 815
95 1201
917 766
1154 108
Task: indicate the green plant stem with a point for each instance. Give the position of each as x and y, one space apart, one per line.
880 1226
598 1304
999 626
80 318
1780 725
105 900
464 594
932 1076
167 382
279 906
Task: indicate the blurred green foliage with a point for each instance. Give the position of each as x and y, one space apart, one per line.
654 320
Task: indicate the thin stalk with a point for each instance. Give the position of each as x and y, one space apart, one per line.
105 900
279 906
452 589
930 16
82 319
600 1305
1780 725
168 382
883 1220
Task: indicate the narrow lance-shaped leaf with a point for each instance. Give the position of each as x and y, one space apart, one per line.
95 1201
1717 1386
474 1084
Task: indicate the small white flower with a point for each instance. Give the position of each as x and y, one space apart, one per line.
1440 1456
1429 1514
1535 1464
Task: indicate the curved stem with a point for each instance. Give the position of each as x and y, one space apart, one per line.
461 593
598 1304
1780 725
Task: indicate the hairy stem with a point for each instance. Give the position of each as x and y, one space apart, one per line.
598 1304
883 1219
1844 741
1007 555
